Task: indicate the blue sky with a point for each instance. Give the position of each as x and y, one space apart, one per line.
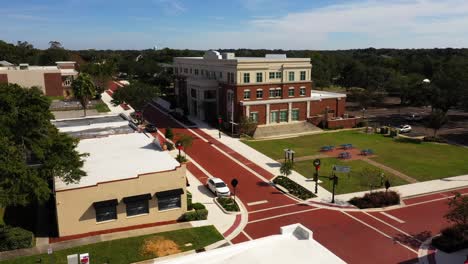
210 24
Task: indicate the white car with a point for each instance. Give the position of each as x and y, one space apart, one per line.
404 129
218 187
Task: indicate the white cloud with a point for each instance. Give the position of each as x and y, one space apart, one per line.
400 24
172 7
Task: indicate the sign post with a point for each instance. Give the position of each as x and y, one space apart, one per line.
220 121
317 167
234 183
179 147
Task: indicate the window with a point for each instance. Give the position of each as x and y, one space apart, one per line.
190 70
169 199
278 75
295 114
259 94
106 210
246 94
185 70
232 78
246 77
291 76
291 92
209 94
272 75
137 205
278 92
193 93
284 116
259 77
302 91
220 75
272 92
196 71
253 116
303 75
202 72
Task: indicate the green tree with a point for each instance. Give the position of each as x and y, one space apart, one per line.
286 168
32 151
83 90
169 134
136 94
186 141
436 120
101 73
458 212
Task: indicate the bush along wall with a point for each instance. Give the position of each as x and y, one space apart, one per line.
15 238
376 200
452 239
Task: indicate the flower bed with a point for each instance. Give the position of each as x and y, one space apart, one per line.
229 204
293 188
376 200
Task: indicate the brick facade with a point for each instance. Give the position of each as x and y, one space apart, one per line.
336 107
3 78
266 91
53 84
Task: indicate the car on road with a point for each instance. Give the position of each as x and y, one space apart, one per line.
151 128
218 187
404 129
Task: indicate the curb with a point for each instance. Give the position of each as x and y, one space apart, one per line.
426 252
224 210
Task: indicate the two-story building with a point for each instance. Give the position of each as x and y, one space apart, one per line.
52 80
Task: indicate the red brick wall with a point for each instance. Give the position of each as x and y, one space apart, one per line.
318 107
3 78
261 109
341 108
53 84
266 90
302 106
345 123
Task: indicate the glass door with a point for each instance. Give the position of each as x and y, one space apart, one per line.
283 116
274 117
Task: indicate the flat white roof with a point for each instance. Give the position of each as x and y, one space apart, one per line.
317 94
119 157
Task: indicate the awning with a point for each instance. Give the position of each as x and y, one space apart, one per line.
106 203
170 193
130 199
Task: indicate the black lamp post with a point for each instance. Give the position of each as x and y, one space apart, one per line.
220 121
317 167
179 147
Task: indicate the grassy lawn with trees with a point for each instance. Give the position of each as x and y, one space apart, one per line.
129 250
425 161
102 108
360 178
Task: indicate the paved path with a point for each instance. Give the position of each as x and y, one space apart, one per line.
391 170
383 236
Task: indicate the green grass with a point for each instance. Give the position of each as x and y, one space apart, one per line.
102 107
57 97
127 250
357 180
2 213
425 161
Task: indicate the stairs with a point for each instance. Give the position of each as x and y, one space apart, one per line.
285 130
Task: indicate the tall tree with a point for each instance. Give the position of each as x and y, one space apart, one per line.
436 120
136 94
32 151
83 90
101 73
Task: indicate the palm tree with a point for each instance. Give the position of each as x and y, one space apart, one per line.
83 90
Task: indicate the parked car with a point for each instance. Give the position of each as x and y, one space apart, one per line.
404 129
151 128
218 187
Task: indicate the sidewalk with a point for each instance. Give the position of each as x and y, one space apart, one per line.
265 162
106 98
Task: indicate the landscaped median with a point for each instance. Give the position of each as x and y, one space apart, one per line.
134 249
293 188
227 204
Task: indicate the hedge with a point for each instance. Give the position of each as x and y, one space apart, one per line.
15 238
228 204
408 140
198 206
294 188
376 199
452 239
196 215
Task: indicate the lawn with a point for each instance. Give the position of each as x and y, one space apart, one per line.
360 178
425 161
102 107
128 250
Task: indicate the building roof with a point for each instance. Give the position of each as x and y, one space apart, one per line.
295 244
119 157
227 56
5 63
317 94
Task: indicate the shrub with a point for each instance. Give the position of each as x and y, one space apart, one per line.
452 239
169 134
435 139
408 140
189 201
169 145
198 206
294 188
15 238
362 124
376 199
181 159
196 215
228 204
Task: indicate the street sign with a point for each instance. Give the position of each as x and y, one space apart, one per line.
84 258
343 169
317 163
234 182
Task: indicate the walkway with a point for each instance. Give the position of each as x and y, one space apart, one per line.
391 170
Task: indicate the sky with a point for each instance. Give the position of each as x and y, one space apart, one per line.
255 24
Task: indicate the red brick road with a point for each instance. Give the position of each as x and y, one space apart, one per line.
355 236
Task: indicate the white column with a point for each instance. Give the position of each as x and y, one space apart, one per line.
267 109
247 111
289 112
308 109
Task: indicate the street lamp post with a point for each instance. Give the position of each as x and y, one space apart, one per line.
317 167
220 121
334 178
179 147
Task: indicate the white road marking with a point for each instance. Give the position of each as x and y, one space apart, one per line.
272 208
278 216
257 202
434 200
246 235
397 229
201 168
393 217
380 232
